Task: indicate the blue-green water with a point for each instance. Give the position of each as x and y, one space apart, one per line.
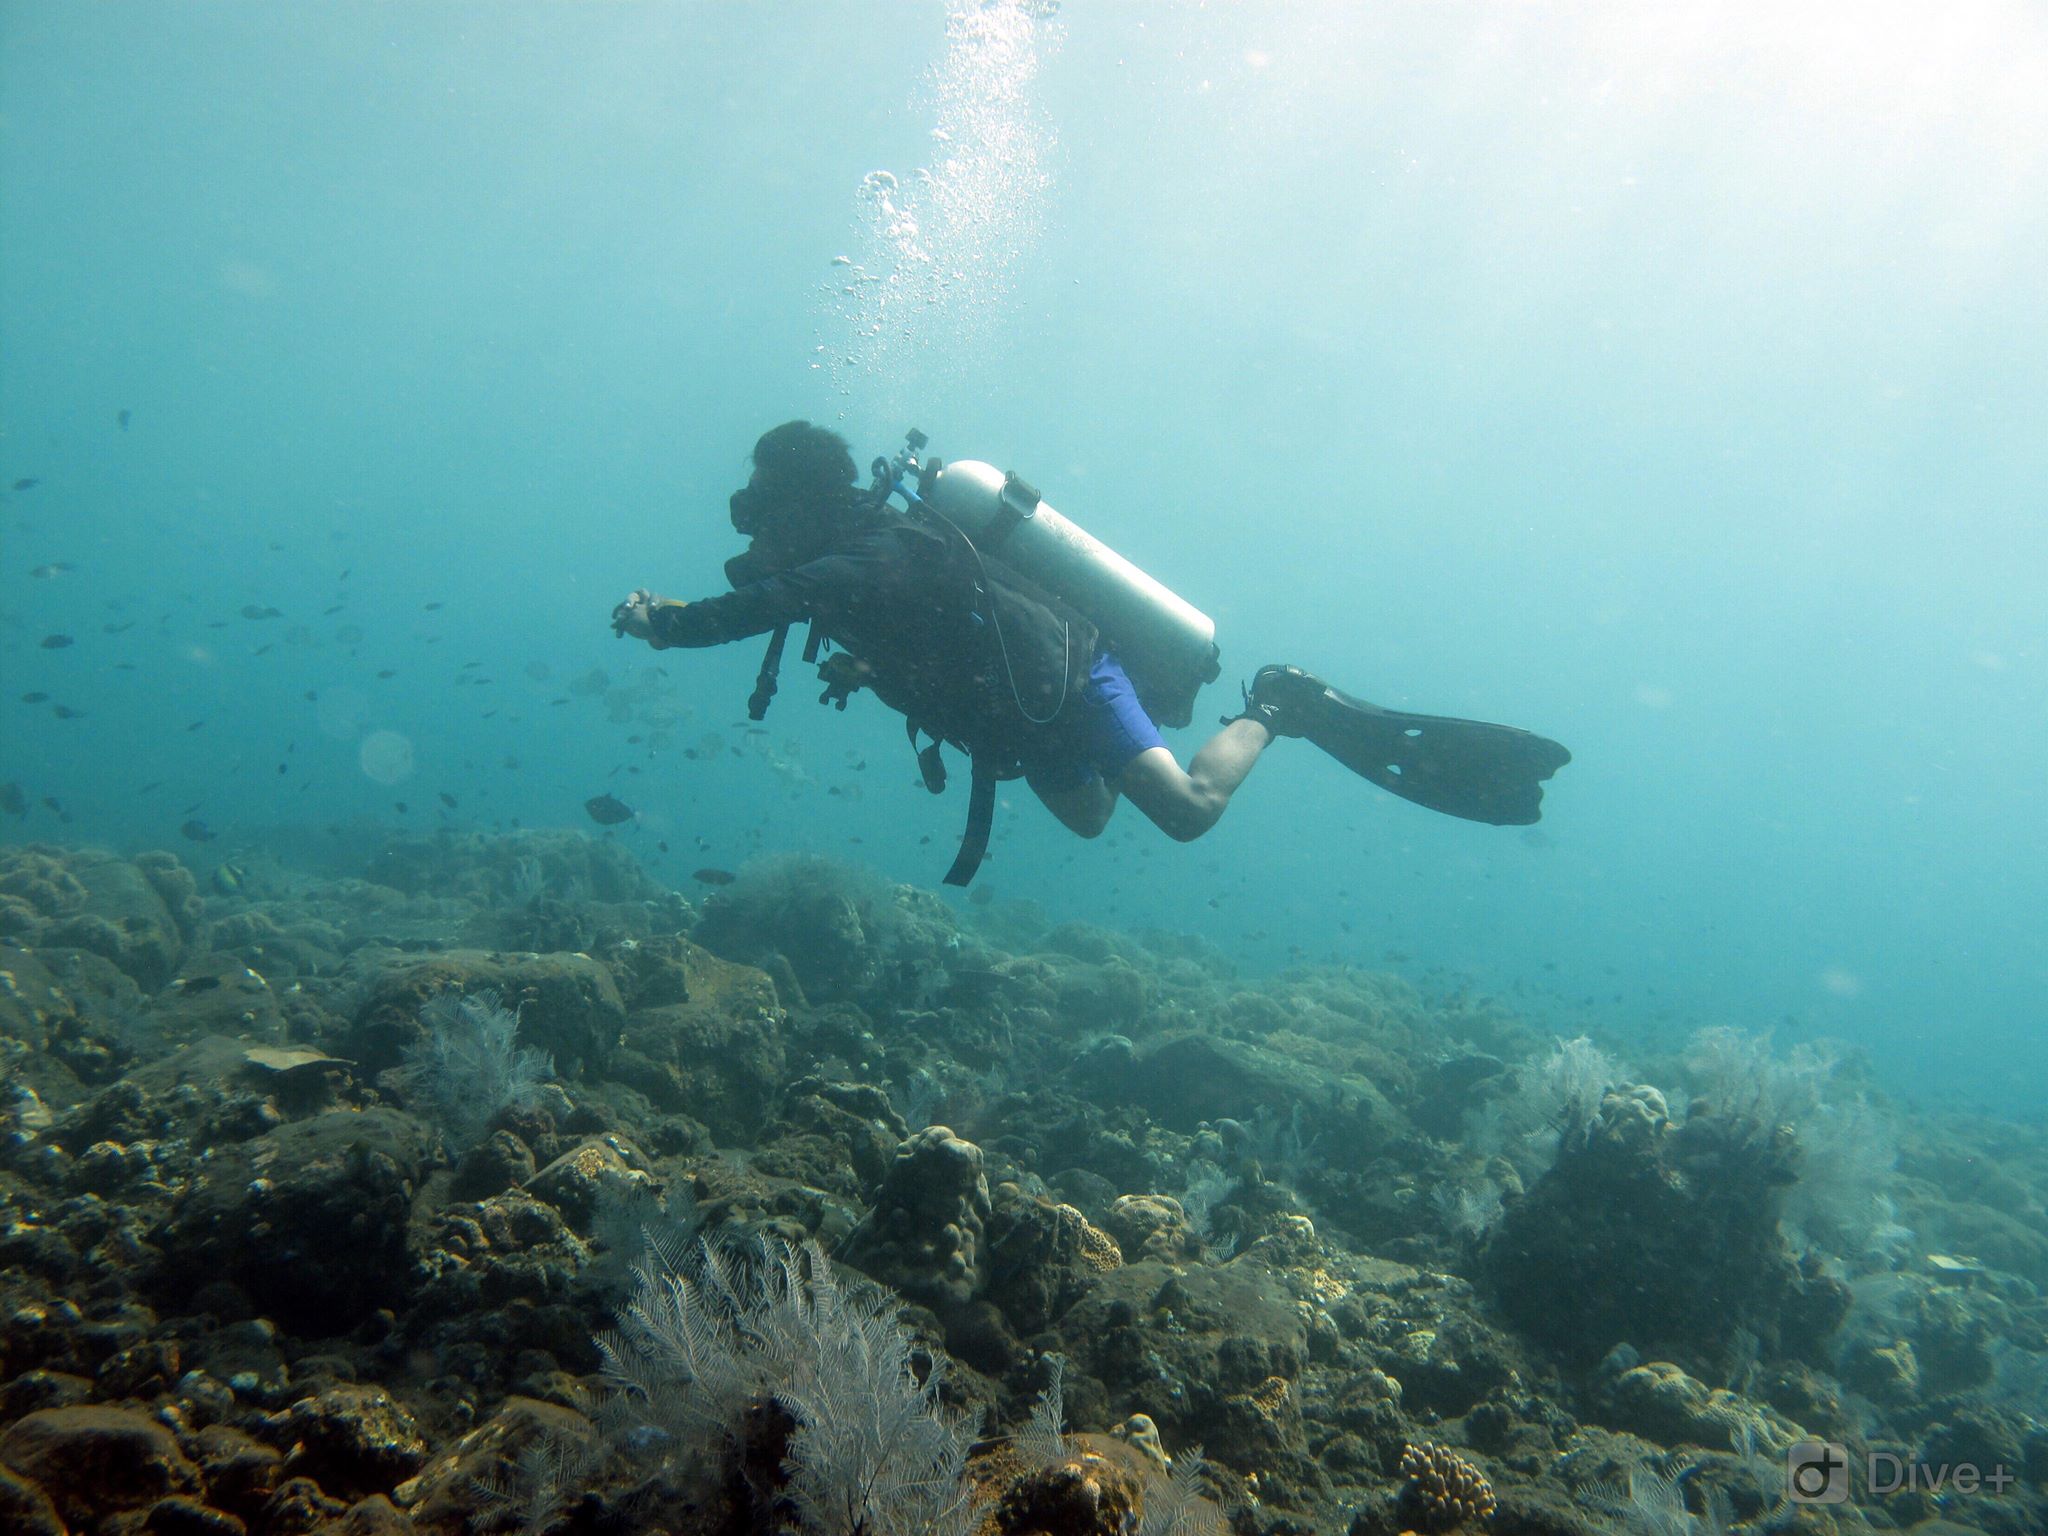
1667 384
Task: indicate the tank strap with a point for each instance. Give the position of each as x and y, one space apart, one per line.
981 816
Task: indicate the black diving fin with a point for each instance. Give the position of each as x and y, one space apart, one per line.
1465 768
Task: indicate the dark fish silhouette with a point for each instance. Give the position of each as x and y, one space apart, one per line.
252 611
54 568
27 483
447 799
66 712
13 799
190 984
34 698
714 876
56 642
122 418
198 831
609 810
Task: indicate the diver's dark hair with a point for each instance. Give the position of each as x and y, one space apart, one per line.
800 456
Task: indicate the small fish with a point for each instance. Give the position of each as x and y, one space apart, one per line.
27 483
447 799
35 698
122 417
608 810
252 611
189 984
311 695
386 675
662 845
195 725
198 831
53 805
229 877
429 607
398 806
57 642
981 896
13 799
66 712
281 768
713 876
54 568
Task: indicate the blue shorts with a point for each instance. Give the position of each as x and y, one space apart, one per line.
1100 731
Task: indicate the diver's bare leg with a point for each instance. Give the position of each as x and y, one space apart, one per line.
1184 805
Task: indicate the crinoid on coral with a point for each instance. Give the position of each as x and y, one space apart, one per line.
1444 1492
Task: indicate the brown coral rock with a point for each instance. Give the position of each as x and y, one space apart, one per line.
924 1235
93 1459
1084 1495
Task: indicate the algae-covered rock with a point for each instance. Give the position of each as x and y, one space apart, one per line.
73 1015
309 1218
497 1278
1214 1356
95 1459
1193 1078
597 1169
137 914
352 1440
568 1006
718 1056
520 1435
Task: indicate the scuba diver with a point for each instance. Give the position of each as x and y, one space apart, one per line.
992 623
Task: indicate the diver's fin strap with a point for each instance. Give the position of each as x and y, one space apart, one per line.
930 764
981 816
765 681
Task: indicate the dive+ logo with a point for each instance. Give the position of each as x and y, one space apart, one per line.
1817 1472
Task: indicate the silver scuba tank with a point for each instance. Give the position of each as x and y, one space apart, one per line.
1166 644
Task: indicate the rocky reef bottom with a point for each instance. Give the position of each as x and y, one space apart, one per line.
494 1187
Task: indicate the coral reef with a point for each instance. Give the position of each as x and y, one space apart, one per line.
889 1219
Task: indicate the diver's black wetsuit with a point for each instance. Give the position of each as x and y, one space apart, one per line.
911 603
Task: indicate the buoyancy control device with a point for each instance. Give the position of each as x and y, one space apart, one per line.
1166 645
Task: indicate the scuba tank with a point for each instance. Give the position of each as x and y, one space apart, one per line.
1166 644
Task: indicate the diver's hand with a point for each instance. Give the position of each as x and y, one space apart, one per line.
635 617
